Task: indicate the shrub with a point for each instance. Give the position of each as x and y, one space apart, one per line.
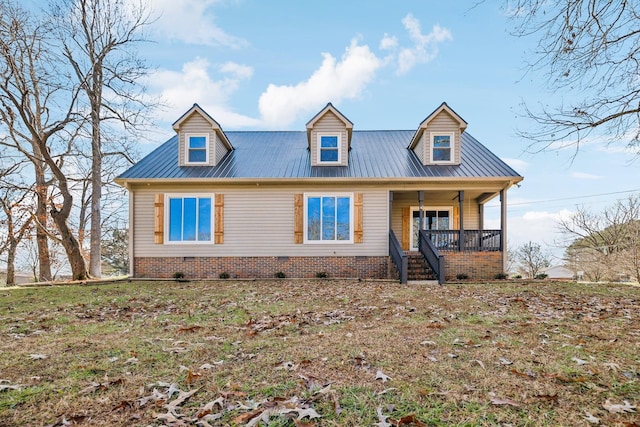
462 276
518 276
280 275
541 276
322 275
502 276
178 275
224 275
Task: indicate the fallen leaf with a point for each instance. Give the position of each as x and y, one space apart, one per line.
382 419
37 356
499 401
590 418
619 408
381 376
580 362
479 363
408 420
504 361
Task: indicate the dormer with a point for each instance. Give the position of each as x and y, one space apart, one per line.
329 137
437 140
201 141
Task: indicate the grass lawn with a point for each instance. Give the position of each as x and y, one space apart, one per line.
320 353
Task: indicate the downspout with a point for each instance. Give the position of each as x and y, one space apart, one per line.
131 231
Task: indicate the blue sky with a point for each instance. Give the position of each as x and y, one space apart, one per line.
255 64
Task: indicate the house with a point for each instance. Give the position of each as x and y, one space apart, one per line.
559 272
326 200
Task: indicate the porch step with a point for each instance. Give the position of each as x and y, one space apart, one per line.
419 270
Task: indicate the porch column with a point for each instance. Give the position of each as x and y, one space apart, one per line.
390 210
421 207
480 223
461 231
503 227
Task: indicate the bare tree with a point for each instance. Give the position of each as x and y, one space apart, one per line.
37 100
17 223
99 37
605 244
588 50
532 259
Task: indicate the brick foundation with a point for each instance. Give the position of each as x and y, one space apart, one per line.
365 267
476 265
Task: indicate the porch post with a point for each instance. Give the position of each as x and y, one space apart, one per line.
461 231
390 210
480 223
503 227
421 207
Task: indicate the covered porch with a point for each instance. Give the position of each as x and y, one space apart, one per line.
446 227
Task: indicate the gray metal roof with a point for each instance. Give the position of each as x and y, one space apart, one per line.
282 154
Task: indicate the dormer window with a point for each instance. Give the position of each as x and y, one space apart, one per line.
442 147
329 149
197 146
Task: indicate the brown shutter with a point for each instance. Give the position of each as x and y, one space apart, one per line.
456 218
158 229
357 218
406 227
298 213
219 221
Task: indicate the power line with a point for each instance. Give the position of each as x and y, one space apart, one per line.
572 198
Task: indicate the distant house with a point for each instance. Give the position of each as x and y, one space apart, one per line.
558 272
19 277
324 200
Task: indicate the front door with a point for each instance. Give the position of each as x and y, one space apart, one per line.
434 219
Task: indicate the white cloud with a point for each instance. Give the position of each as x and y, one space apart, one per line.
517 164
388 42
332 82
191 21
426 46
193 84
536 226
584 175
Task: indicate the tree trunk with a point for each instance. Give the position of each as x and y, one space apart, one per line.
70 244
11 261
95 254
42 240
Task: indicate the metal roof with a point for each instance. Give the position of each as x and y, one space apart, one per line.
284 154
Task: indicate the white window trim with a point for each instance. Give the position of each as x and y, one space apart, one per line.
167 219
427 208
452 148
306 219
319 148
207 148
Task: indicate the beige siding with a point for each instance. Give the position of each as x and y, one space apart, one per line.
329 124
260 223
199 125
419 150
442 123
220 150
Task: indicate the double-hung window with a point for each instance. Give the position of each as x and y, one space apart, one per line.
329 218
442 147
197 148
189 218
329 149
